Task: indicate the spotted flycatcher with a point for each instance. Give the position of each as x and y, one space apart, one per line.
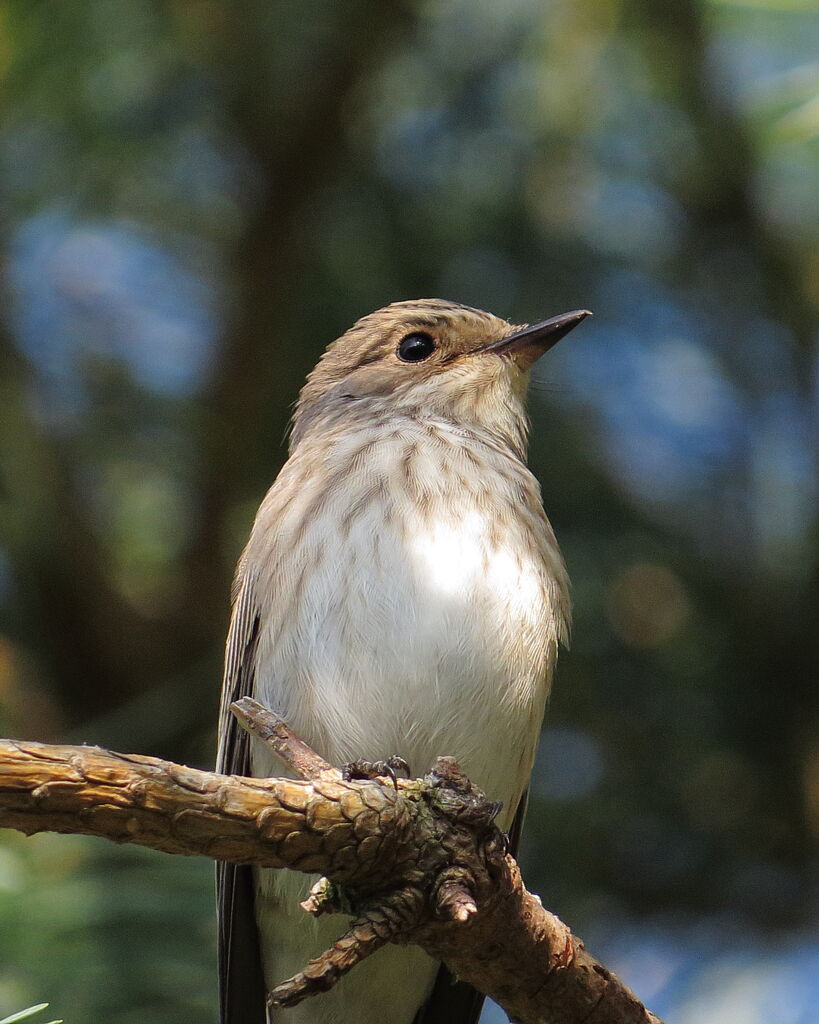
402 592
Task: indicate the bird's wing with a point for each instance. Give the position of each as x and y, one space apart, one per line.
455 1002
242 991
516 828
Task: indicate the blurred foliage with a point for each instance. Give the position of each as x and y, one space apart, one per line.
198 196
115 933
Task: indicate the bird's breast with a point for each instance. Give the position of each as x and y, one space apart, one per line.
414 597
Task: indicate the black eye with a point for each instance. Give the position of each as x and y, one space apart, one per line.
415 347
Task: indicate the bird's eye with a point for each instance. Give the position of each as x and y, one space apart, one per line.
415 347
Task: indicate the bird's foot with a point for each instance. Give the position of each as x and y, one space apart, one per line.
363 769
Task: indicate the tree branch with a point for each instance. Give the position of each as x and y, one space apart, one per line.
419 861
290 749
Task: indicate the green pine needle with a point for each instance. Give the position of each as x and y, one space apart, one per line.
25 1014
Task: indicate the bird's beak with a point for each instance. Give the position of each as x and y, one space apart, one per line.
529 343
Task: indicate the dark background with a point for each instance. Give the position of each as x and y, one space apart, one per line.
197 196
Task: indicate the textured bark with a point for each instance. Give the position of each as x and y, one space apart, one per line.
419 860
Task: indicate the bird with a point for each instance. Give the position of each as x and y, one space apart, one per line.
401 593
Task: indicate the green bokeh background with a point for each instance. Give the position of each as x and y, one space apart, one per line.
197 196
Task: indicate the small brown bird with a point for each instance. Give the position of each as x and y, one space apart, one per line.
402 592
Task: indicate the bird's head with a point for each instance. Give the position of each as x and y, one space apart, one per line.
430 359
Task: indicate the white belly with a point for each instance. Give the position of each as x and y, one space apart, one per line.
403 629
418 643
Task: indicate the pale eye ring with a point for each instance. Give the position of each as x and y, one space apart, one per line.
415 347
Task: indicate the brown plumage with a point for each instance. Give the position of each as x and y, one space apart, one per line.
401 592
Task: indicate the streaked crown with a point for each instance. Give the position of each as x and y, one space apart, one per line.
432 359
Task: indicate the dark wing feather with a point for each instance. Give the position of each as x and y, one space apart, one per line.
455 1002
242 991
451 1002
516 828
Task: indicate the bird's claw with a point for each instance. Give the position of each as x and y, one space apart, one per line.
364 769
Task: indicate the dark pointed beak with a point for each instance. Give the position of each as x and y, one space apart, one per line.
529 343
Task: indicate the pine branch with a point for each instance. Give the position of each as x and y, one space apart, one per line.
419 860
